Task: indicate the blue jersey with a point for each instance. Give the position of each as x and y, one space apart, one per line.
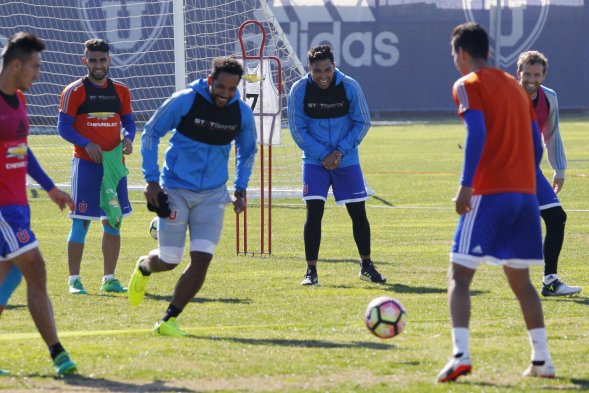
191 164
319 137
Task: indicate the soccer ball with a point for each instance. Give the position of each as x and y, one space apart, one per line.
153 227
385 317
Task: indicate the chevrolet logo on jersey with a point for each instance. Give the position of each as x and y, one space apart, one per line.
19 151
101 115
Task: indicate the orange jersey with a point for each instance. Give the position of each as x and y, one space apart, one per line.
97 111
507 161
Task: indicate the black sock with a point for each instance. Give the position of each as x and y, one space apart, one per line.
365 262
312 268
143 271
55 350
171 312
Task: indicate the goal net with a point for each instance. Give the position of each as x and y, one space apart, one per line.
158 46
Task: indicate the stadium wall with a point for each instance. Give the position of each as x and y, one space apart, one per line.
397 49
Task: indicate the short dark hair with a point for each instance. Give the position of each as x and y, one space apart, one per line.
226 64
96 45
320 52
532 57
472 38
21 46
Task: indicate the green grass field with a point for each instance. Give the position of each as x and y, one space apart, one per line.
253 328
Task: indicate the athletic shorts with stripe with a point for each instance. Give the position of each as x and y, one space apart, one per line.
501 229
16 236
347 183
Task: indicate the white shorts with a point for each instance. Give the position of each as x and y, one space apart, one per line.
201 212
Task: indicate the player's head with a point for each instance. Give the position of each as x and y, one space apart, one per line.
531 71
226 73
97 59
321 65
21 57
470 44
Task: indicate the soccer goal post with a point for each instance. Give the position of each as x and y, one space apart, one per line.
158 46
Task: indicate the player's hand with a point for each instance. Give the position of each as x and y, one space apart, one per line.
462 200
332 160
94 152
238 201
62 199
557 184
151 191
127 146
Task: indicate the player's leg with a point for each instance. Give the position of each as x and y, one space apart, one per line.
206 224
111 243
32 266
349 189
10 278
86 177
171 243
316 183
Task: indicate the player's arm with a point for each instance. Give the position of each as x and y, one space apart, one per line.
476 132
298 124
537 140
244 156
554 146
359 116
127 121
34 169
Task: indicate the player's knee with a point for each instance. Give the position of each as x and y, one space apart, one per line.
554 216
79 231
111 231
170 257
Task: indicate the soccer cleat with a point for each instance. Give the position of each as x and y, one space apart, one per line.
455 368
4 372
310 277
168 328
64 365
545 370
136 290
369 273
113 286
559 288
76 287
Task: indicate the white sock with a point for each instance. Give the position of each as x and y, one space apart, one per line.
107 277
460 337
73 278
550 278
539 342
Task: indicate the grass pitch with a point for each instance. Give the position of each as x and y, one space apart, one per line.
253 328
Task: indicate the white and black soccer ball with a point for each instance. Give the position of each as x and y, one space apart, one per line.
153 227
385 317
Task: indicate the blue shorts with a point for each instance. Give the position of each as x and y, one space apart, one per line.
16 236
501 229
544 192
86 181
347 183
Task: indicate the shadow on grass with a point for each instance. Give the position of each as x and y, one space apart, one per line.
300 343
583 384
15 306
400 288
579 300
381 200
168 298
118 386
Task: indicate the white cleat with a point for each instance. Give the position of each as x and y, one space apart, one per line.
545 370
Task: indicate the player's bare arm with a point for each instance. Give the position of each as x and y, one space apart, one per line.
94 152
557 184
151 191
462 200
61 198
127 146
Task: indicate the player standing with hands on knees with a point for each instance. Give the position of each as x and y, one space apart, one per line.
328 118
531 72
499 217
91 113
19 248
206 117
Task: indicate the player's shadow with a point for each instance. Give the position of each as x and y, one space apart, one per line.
15 306
381 200
400 288
300 343
107 385
168 298
583 384
579 300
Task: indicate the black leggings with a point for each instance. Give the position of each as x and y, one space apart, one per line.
312 230
555 219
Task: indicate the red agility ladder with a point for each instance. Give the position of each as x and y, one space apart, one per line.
265 138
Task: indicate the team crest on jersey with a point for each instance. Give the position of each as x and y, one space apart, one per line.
527 22
173 215
130 27
23 236
83 206
19 151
